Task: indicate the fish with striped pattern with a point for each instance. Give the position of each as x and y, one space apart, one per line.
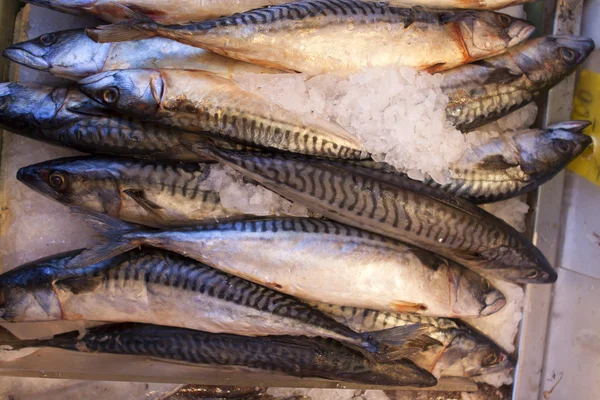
405 210
489 89
67 117
199 101
159 287
461 351
145 192
515 162
72 54
314 260
505 166
339 36
184 11
302 357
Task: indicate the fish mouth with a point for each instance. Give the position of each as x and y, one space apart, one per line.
30 177
23 57
495 301
519 32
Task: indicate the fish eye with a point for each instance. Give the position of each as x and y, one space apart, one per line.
48 39
111 95
504 20
561 146
570 56
491 359
56 180
532 275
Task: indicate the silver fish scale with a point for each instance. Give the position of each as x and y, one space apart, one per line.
185 179
487 103
371 320
307 225
256 130
180 273
482 186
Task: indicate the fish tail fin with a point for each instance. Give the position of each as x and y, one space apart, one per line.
7 339
119 237
199 145
140 26
398 342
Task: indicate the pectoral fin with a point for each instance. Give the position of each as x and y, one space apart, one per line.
139 196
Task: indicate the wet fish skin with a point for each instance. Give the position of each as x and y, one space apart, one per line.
463 352
303 357
185 11
153 286
140 191
354 267
339 36
203 102
72 54
406 210
489 89
516 162
69 118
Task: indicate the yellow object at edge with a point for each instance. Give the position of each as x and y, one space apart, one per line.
586 105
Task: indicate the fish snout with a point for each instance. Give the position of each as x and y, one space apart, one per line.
21 55
494 302
31 176
571 126
583 45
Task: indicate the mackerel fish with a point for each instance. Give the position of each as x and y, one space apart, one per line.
406 210
184 11
486 90
353 267
199 101
505 166
461 350
515 162
302 357
339 36
139 191
153 286
72 54
69 118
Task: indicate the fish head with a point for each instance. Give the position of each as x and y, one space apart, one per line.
26 107
523 263
548 60
487 33
26 292
134 91
472 294
76 7
71 54
545 152
472 354
87 182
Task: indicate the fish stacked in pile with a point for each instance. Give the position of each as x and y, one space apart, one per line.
361 291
